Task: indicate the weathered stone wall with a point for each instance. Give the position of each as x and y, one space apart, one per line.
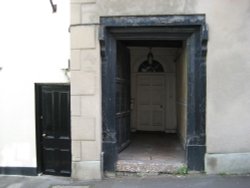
228 66
85 94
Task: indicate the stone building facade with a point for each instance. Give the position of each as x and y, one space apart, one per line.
175 66
226 107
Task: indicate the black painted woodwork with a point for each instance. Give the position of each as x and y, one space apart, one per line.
190 29
122 100
54 140
153 43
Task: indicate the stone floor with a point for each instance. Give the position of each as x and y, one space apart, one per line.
151 152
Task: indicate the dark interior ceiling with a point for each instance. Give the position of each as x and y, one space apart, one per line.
153 43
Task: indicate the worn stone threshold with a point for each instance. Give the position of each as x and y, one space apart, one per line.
148 166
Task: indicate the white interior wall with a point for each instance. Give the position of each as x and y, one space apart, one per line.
166 57
181 94
34 48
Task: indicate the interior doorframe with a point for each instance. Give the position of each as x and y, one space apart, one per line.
189 28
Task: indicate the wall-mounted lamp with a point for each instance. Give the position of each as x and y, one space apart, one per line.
150 56
150 65
54 6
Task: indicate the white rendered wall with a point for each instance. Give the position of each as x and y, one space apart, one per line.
34 47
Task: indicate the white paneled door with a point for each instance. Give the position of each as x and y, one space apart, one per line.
150 102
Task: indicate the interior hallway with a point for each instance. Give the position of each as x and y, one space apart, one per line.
152 152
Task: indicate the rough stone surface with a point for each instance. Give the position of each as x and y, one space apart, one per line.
75 17
89 14
76 150
83 37
152 153
226 67
90 151
86 170
89 60
75 61
232 163
83 1
83 83
146 166
83 128
75 105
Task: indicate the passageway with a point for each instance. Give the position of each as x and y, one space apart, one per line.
158 107
152 152
150 84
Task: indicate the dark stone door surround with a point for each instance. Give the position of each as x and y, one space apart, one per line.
188 28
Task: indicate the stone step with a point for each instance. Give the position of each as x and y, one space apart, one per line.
148 166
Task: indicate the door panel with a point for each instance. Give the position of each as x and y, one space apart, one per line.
150 102
122 96
55 130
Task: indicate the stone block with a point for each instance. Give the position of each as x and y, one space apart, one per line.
83 1
90 150
228 163
89 60
83 83
75 60
83 128
85 60
76 151
89 13
75 105
89 106
87 170
75 17
83 37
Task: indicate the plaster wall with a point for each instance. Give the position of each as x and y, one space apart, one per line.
227 67
34 48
